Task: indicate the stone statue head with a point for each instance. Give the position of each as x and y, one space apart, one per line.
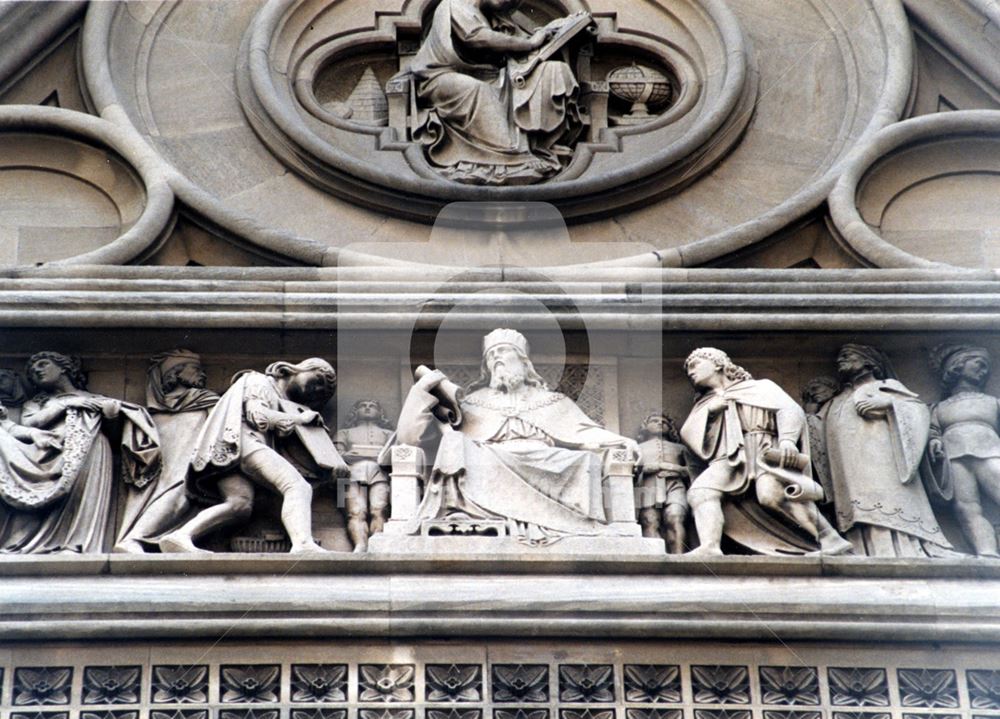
954 363
44 369
368 410
658 424
854 360
817 392
701 364
506 365
178 368
311 382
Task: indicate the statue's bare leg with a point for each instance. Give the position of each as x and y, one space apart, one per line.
673 517
706 505
267 467
161 514
356 506
236 506
969 510
649 520
378 507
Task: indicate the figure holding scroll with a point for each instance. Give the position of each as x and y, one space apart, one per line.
749 433
478 125
240 440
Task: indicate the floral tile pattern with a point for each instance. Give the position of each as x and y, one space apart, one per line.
319 683
386 683
652 683
42 685
249 684
586 683
521 683
179 684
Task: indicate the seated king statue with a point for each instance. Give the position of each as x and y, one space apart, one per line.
510 449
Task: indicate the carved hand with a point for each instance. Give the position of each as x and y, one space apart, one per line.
789 453
83 402
873 407
936 448
110 408
540 37
716 406
309 417
431 380
45 440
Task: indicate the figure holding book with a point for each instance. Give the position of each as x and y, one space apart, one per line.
479 125
241 440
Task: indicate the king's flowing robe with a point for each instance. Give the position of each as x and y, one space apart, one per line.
530 456
476 125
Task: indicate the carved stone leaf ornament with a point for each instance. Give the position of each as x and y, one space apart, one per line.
928 688
586 714
720 684
722 714
250 684
180 684
520 714
634 713
42 685
861 715
454 714
386 683
454 682
319 713
111 685
521 683
984 688
858 687
178 714
386 714
249 714
39 715
771 714
652 683
789 685
110 714
586 683
321 683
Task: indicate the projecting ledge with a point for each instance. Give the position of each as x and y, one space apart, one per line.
389 597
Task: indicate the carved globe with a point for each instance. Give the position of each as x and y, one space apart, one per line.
642 86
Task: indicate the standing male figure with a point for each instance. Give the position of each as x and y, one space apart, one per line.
739 426
661 485
367 496
238 442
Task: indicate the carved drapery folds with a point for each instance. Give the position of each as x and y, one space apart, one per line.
789 485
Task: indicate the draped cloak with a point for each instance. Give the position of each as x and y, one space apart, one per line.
527 457
880 497
758 416
178 416
56 500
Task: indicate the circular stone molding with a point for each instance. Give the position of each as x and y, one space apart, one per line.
75 191
296 49
925 192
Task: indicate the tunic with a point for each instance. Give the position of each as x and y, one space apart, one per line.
968 423
360 447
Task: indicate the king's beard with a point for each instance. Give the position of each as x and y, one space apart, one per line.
506 379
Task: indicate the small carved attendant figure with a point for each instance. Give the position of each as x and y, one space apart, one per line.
876 433
816 396
240 435
662 487
58 493
749 432
179 404
479 126
964 427
367 499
